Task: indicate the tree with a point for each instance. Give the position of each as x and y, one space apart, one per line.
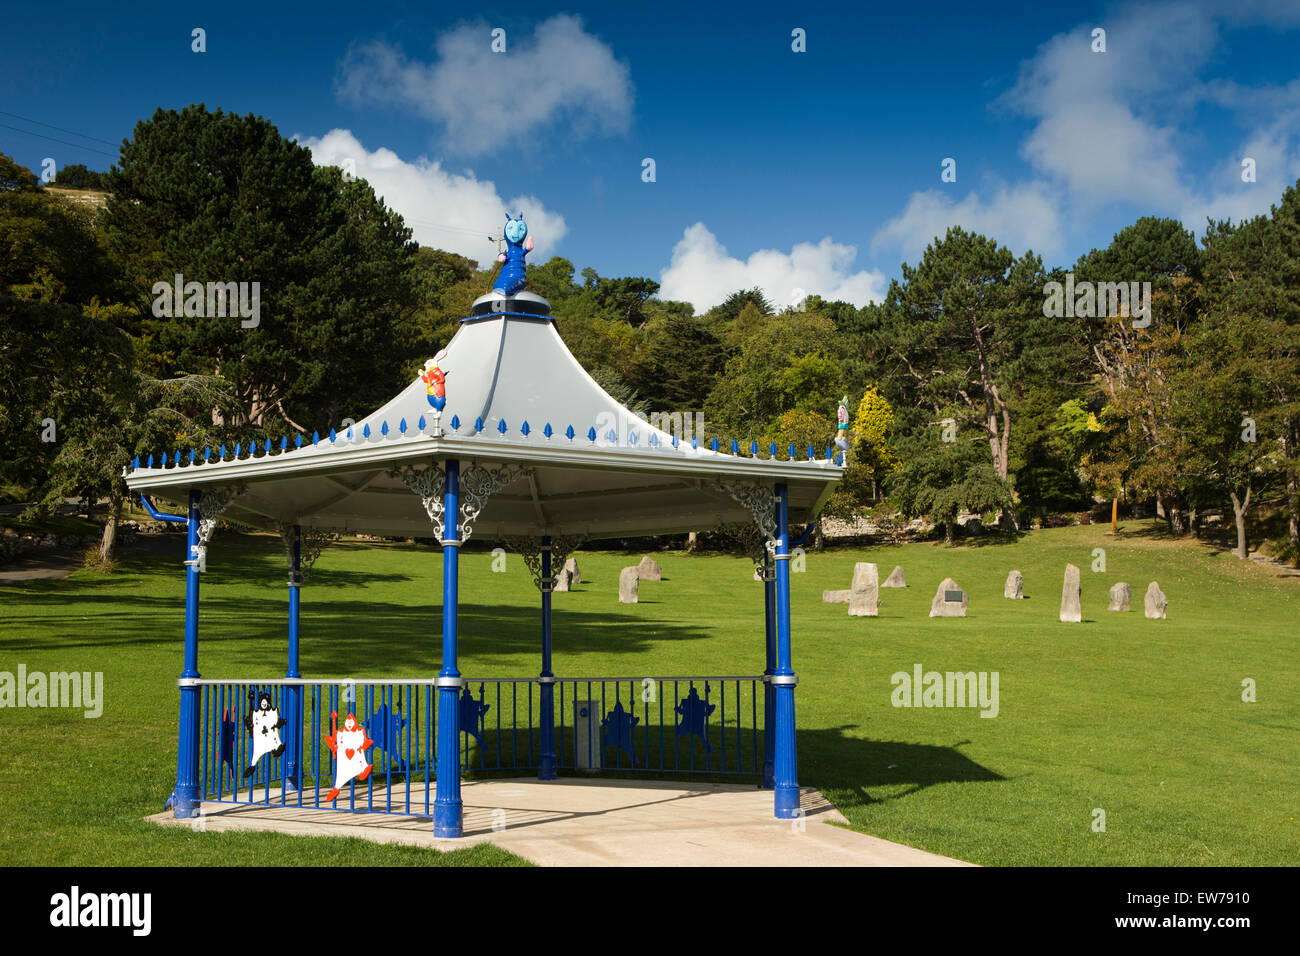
220 198
77 176
963 326
942 478
871 452
1134 365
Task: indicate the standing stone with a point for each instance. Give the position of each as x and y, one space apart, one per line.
1071 596
649 570
627 585
563 580
864 596
1015 586
1120 596
1156 602
575 576
949 601
836 597
895 579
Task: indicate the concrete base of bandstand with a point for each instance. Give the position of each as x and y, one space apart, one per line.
582 822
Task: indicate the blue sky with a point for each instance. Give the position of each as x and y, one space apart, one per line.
816 171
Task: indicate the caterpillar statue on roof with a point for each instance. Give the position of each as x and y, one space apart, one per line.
513 273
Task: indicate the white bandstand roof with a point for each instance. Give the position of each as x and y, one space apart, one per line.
509 380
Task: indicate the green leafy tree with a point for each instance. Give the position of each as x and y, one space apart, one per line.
222 198
940 479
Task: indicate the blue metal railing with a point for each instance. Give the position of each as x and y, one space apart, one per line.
662 725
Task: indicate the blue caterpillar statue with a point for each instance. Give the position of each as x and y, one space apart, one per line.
514 274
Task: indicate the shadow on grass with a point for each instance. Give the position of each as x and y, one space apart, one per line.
340 637
847 768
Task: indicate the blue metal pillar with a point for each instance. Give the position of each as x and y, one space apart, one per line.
448 809
546 763
293 692
184 800
786 782
769 694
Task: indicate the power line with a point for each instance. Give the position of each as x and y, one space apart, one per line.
70 132
54 139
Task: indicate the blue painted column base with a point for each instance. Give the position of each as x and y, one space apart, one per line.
185 797
786 785
448 808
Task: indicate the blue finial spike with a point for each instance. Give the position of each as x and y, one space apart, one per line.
654 440
771 449
455 423
695 442
177 459
239 447
714 444
829 455
297 440
284 443
839 459
524 429
315 438
365 431
150 465
631 437
193 456
569 433
421 423
674 441
349 433
812 454
223 453
591 434
547 430
207 454
793 453
501 426
332 435
735 447
267 447
753 449
401 427
478 425
135 463
613 437
383 428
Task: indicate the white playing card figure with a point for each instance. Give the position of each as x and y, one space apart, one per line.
263 722
349 744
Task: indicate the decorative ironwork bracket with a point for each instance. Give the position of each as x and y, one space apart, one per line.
477 485
212 502
761 502
430 484
530 549
312 542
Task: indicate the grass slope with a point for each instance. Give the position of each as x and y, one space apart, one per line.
1142 719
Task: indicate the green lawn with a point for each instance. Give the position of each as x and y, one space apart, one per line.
1142 719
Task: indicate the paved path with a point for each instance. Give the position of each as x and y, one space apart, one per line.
606 823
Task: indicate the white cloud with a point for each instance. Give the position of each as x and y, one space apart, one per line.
484 99
1018 217
1120 126
702 273
451 211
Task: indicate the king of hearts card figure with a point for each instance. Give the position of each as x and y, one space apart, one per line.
349 744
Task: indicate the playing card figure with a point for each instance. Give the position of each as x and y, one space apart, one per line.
435 382
349 744
263 723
